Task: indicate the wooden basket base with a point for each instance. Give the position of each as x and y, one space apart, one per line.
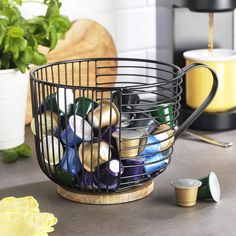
112 198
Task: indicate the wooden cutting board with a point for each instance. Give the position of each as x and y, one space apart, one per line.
85 39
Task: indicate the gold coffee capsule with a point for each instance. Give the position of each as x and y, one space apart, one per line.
165 135
186 191
52 150
109 112
90 160
128 142
50 125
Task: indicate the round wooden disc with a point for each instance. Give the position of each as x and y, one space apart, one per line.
112 198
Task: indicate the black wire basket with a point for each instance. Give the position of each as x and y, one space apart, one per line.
107 124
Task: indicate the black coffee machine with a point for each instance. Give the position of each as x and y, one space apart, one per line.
186 23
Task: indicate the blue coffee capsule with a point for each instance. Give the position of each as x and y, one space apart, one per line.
74 134
152 146
70 161
154 163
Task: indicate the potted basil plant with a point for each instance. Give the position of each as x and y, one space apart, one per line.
19 42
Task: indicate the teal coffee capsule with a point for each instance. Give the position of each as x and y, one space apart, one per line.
84 105
210 188
164 114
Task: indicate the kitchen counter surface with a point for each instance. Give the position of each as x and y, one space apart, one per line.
155 215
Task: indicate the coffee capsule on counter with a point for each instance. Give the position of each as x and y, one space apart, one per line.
70 161
84 105
154 163
163 113
128 142
105 114
77 130
64 177
126 99
47 124
210 188
133 169
165 135
61 102
106 175
93 154
52 150
186 191
145 121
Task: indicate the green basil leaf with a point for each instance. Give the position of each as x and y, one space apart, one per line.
23 150
27 55
15 32
53 9
10 156
53 38
19 2
38 58
2 33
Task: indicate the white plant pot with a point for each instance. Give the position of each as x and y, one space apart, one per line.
13 98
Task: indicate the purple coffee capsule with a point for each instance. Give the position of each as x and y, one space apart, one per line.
107 132
70 161
87 180
133 169
107 174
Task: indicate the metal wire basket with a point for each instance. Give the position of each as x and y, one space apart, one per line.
107 124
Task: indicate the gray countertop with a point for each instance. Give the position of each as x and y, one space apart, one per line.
155 215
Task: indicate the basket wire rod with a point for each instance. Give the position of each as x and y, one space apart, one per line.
80 78
109 143
139 67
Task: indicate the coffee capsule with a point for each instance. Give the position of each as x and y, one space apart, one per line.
70 161
126 99
47 124
52 150
163 113
61 102
165 135
186 191
107 135
154 163
210 188
92 155
126 119
107 174
133 169
77 130
83 106
105 114
152 146
87 180
128 142
145 121
64 177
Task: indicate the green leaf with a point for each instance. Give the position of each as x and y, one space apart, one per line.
53 9
32 41
22 67
15 32
10 156
19 2
38 58
27 56
2 33
62 24
53 38
23 150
